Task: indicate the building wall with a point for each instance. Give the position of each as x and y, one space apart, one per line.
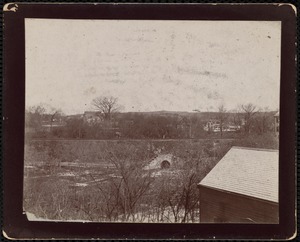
222 207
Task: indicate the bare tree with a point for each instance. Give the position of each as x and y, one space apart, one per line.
106 105
55 113
34 115
42 112
249 111
263 121
178 195
37 109
125 190
236 117
221 116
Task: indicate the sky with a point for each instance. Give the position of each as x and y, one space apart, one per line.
152 65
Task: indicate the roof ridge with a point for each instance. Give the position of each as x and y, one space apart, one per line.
252 148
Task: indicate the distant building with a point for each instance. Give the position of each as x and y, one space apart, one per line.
49 126
92 117
215 126
241 188
276 123
212 125
74 116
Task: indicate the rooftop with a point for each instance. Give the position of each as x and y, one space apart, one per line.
247 171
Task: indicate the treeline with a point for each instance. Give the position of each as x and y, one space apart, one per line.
123 125
145 125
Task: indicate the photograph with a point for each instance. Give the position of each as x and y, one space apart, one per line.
151 121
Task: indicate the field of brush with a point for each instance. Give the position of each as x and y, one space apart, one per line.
117 180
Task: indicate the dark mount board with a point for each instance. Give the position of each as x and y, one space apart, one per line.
16 224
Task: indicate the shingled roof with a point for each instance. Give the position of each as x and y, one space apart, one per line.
246 171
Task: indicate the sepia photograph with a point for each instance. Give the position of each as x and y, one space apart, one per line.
152 121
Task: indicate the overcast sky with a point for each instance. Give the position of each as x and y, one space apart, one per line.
152 65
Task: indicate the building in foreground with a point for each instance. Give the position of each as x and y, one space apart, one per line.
241 188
